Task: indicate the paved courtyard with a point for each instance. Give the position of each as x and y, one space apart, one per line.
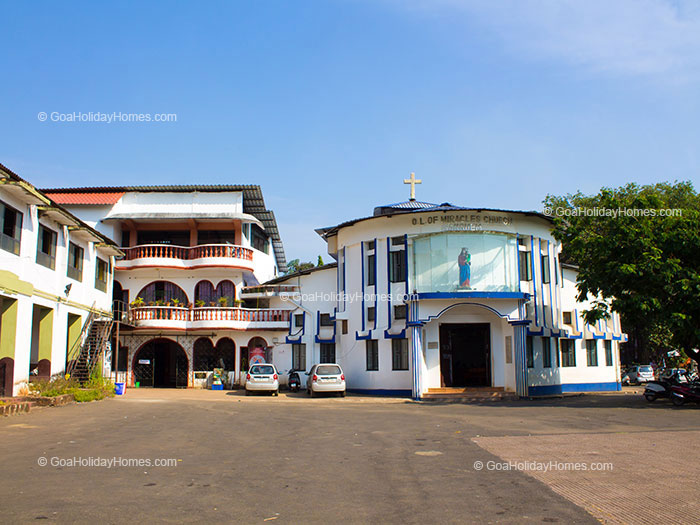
231 458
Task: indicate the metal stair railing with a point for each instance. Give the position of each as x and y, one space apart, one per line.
76 349
94 337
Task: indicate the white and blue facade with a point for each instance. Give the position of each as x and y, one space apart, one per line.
436 296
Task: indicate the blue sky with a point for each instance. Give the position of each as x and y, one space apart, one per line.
329 104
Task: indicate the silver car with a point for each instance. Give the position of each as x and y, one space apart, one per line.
638 374
262 378
325 377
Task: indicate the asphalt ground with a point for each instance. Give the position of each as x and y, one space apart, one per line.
292 459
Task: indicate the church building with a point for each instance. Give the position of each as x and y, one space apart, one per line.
432 298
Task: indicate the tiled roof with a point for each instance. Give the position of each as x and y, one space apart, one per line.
85 198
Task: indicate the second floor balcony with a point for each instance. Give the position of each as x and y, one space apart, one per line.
186 257
163 317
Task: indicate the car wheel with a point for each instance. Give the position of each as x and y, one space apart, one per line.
276 393
650 397
342 394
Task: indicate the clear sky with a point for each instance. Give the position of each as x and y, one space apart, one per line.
329 104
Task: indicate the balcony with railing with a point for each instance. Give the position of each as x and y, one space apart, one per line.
270 290
163 317
186 257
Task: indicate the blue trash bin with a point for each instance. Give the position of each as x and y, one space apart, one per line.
119 389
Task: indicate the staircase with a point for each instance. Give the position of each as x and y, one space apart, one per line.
472 394
87 351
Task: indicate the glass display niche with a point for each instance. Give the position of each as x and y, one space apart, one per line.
463 262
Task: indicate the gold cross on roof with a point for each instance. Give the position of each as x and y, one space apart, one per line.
413 181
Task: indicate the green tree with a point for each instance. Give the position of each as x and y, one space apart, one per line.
646 264
294 266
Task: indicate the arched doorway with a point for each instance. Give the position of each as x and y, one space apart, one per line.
160 293
223 295
257 351
207 357
161 363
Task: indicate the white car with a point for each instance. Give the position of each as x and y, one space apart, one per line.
262 378
325 377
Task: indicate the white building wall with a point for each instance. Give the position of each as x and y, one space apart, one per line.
48 287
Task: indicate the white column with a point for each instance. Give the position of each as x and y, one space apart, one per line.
237 364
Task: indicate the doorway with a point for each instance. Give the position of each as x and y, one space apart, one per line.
161 363
465 355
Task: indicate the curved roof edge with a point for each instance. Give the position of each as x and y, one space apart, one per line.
445 207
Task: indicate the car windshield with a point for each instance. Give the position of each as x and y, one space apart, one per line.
328 370
262 369
645 369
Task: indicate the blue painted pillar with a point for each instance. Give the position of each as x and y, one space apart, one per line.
416 326
519 334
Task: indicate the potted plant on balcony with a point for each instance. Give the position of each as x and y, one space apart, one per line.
223 302
138 302
199 303
238 303
176 302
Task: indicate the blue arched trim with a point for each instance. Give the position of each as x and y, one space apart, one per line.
296 338
318 329
487 307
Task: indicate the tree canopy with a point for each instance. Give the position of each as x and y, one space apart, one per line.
637 247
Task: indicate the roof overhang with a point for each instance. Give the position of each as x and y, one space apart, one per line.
86 234
23 190
158 216
109 249
59 215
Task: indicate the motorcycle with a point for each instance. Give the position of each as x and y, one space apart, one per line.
662 387
683 393
294 382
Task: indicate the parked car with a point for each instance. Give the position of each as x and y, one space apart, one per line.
638 374
325 377
262 378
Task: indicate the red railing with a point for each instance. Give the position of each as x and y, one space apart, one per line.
173 313
167 313
170 251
